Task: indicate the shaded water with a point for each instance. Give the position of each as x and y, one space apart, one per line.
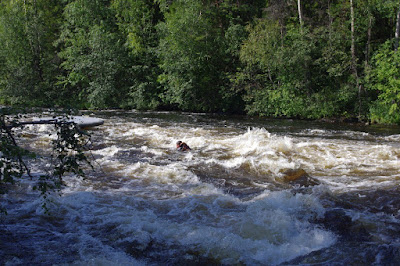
225 202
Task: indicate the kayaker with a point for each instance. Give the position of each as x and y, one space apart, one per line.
182 146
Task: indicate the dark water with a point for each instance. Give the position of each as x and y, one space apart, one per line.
229 201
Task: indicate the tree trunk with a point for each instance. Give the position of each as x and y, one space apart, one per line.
300 15
33 38
354 58
368 45
397 33
330 21
353 46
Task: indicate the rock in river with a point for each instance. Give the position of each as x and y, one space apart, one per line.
298 177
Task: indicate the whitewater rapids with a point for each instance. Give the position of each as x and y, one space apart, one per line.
224 202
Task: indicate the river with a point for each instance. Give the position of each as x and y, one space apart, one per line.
228 201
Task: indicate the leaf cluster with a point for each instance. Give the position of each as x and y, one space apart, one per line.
69 154
236 56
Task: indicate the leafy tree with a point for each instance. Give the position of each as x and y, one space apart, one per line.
191 51
312 69
137 22
308 59
382 74
198 50
384 78
297 74
94 56
233 17
397 32
28 59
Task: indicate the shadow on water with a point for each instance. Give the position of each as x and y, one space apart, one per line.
238 182
366 222
367 225
361 221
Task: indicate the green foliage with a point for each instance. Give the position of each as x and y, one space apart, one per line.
69 153
199 49
301 74
27 56
137 21
11 165
69 156
208 56
384 78
189 49
94 56
70 146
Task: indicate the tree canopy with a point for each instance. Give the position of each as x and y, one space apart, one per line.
292 58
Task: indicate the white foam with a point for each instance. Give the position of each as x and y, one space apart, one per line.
108 152
171 174
268 230
262 152
155 198
392 138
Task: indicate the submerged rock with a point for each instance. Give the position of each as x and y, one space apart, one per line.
341 224
298 177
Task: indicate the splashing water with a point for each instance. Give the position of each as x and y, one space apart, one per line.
225 202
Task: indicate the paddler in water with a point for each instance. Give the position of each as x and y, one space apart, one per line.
182 146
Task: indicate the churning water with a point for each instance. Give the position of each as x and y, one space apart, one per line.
230 200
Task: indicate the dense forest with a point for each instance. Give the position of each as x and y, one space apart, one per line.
281 58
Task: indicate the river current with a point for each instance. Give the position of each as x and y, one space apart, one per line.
228 201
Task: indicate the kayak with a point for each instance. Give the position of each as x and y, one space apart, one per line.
81 121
